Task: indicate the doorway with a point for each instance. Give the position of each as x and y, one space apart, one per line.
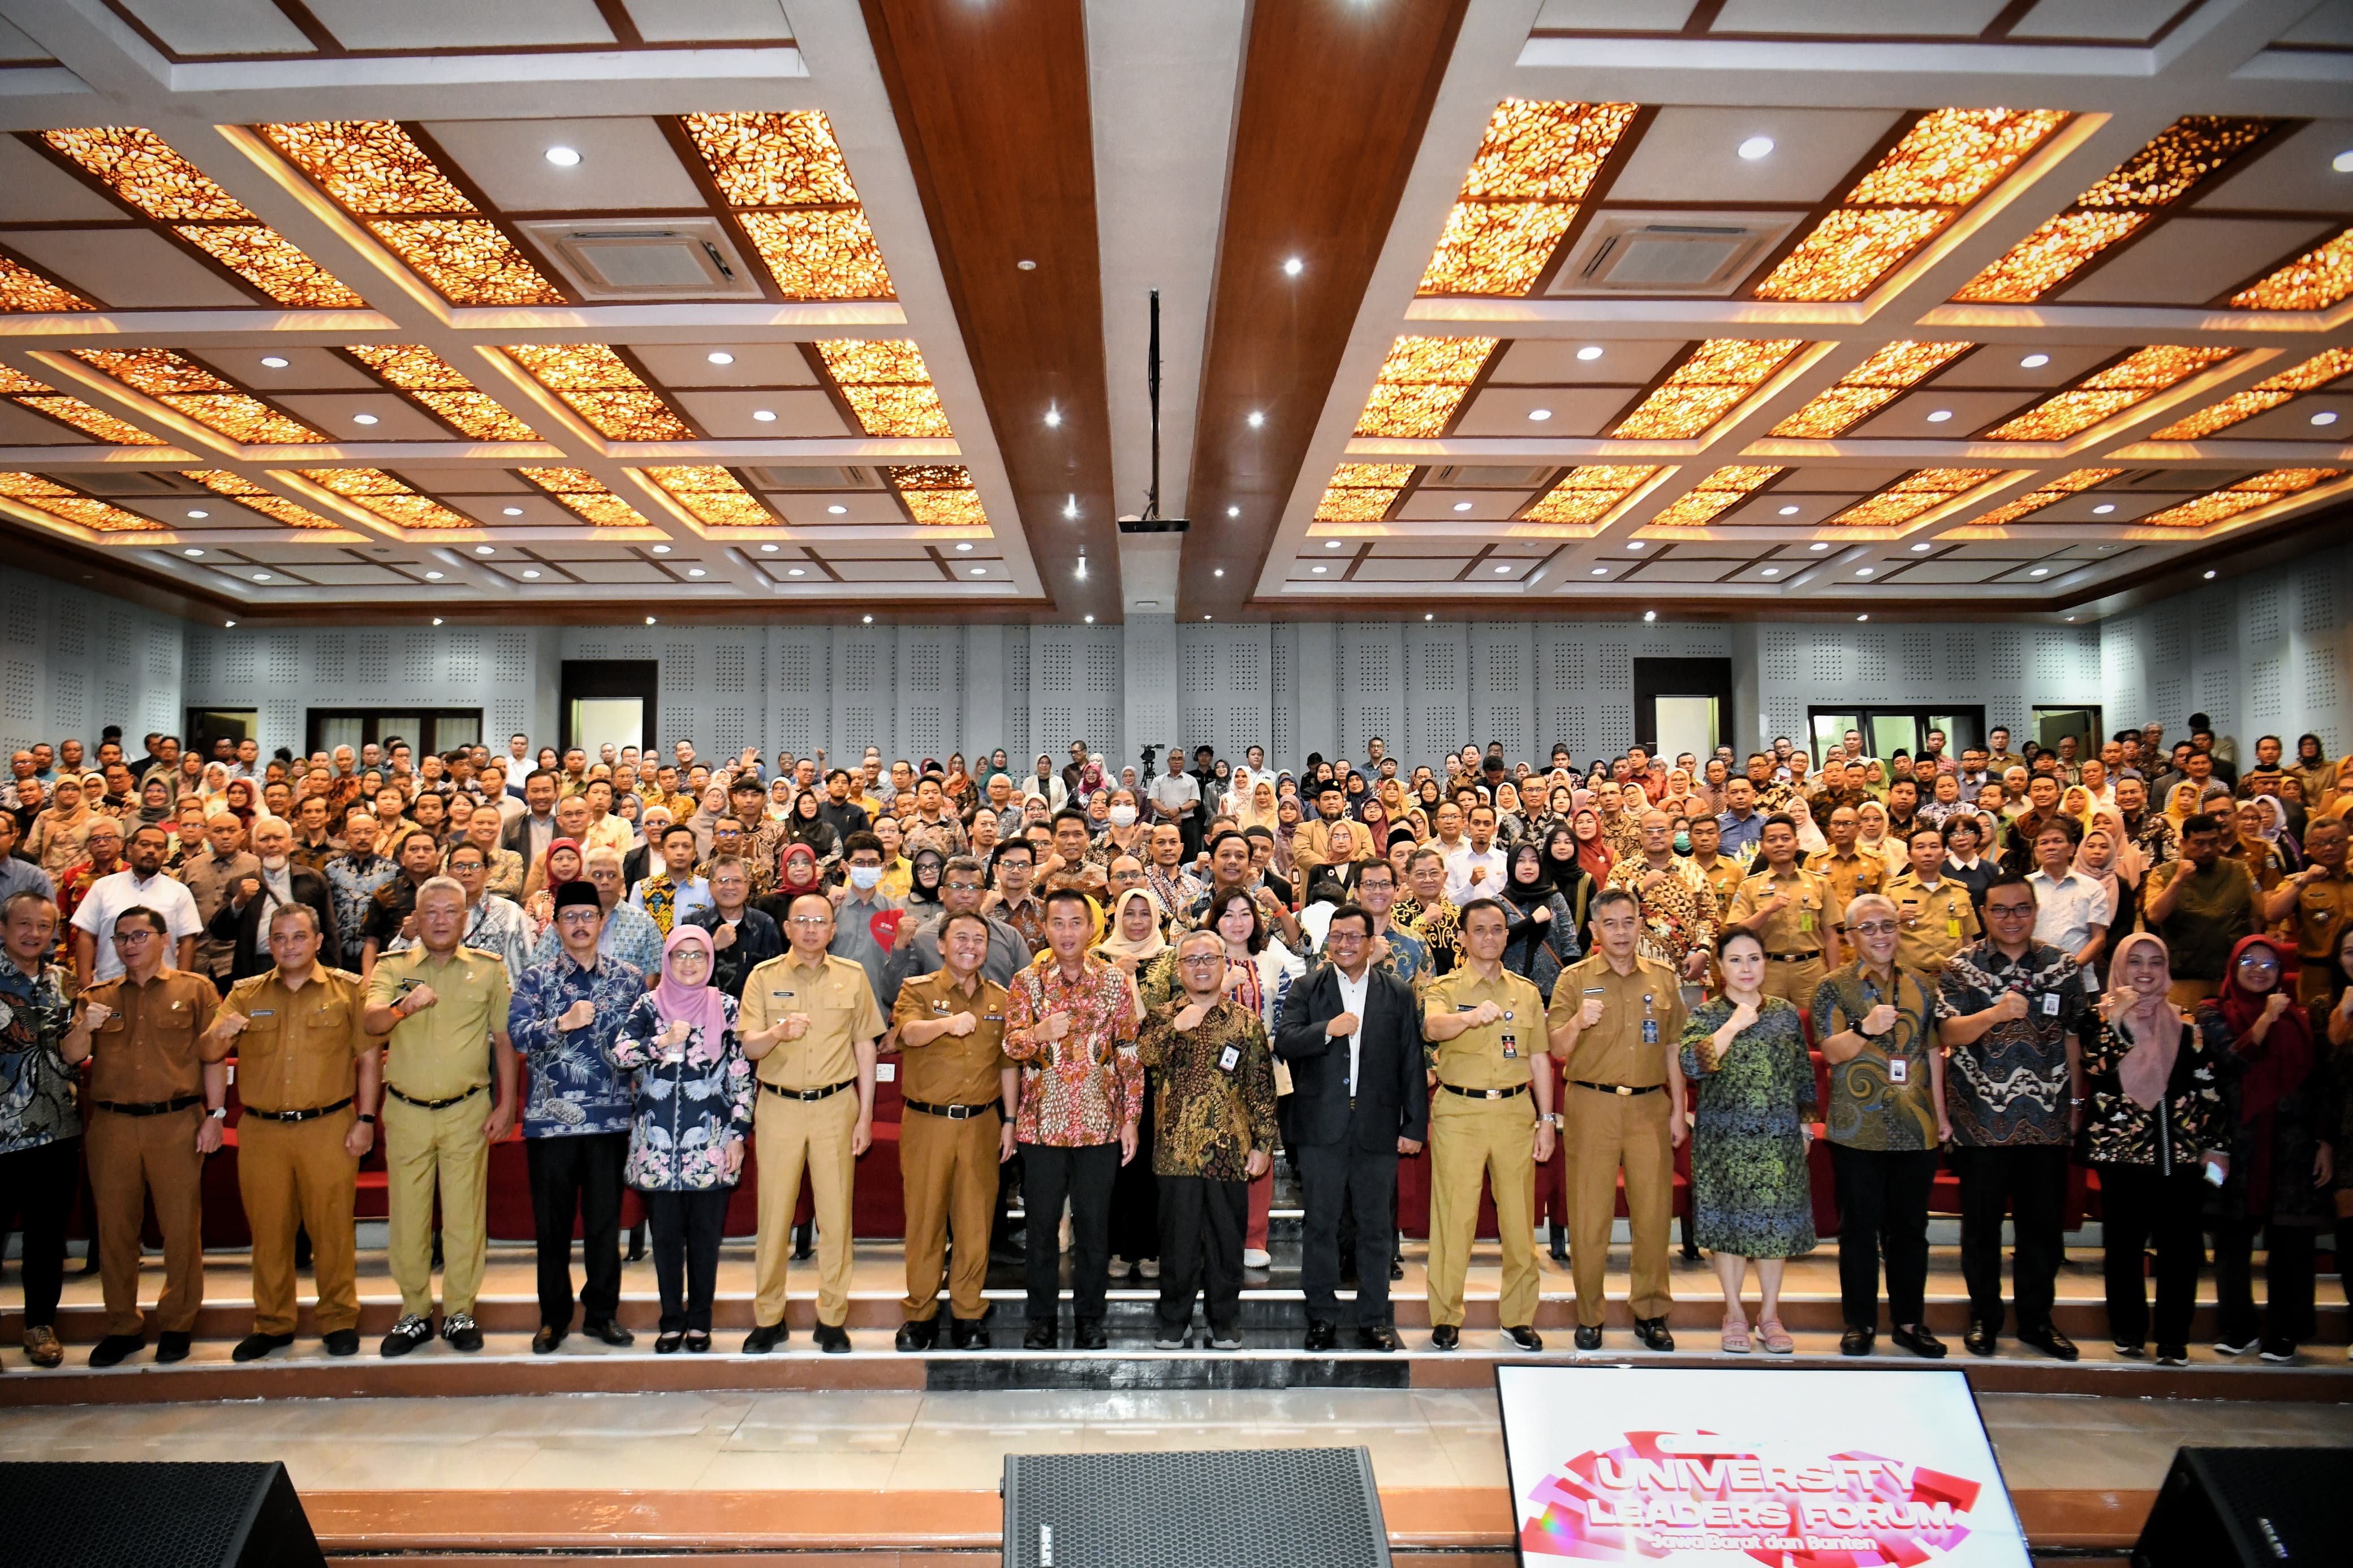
1682 705
608 702
2054 724
207 725
1884 731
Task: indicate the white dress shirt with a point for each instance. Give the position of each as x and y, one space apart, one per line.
119 890
1352 1000
1460 865
2067 908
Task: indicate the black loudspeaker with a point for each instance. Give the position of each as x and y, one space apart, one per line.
154 1516
1263 1508
2236 1507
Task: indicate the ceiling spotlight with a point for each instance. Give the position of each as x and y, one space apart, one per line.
1772 571
1257 420
433 576
2326 416
1862 617
720 356
1026 265
193 554
2034 361
1071 508
1538 415
1319 571
261 576
764 415
1205 617
694 572
1631 544
2071 620
485 550
364 419
233 622
662 548
1649 616
563 157
511 511
1053 418
869 620
199 513
275 361
2105 507
2040 571
963 545
650 620
1217 571
1862 571
1233 511
530 571
1590 353
768 550
1428 616
794 571
437 620
1293 267
1788 511
1459 506
1331 544
836 510
1501 571
2343 162
1921 549
2209 576
1090 620
1080 574
1601 571
1819 544
1755 147
1938 415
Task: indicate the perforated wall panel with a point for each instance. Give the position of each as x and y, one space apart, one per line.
78 661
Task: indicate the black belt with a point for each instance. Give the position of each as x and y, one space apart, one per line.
1483 1093
150 1107
1621 1090
310 1115
952 1113
1792 957
807 1094
435 1104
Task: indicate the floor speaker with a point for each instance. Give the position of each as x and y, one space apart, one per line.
2236 1507
1261 1508
108 1515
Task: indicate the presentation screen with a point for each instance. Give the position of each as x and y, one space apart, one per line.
1675 1466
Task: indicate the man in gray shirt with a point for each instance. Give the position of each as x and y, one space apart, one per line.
916 952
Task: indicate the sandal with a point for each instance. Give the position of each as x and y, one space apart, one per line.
1774 1337
1735 1334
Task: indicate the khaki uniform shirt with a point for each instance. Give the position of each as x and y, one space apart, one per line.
1621 1049
2323 909
147 1053
1930 926
949 1070
444 1050
841 1012
1474 1058
298 1046
1797 925
1850 875
1724 879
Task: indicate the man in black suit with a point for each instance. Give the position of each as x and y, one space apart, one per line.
530 834
1360 1097
243 916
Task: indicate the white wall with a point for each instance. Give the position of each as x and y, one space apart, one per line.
76 661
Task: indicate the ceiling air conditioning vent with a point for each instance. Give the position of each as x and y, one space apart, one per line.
1669 253
1452 473
668 258
131 482
816 478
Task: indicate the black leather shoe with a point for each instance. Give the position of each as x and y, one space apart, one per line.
1856 1341
667 1344
1379 1337
1652 1333
969 1333
697 1343
766 1338
1560 1248
1980 1338
1919 1341
1322 1336
1397 1270
1040 1337
1523 1337
253 1347
609 1331
1588 1336
115 1348
804 1242
2050 1342
549 1336
342 1341
170 1348
832 1338
914 1335
1445 1337
462 1333
1090 1336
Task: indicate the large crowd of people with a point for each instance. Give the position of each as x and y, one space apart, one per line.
1127 991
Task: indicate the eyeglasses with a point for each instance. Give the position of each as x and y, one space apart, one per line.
963 887
812 921
1876 928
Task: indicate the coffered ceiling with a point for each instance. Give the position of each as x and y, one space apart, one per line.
710 309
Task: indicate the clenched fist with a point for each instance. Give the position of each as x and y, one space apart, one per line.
579 1015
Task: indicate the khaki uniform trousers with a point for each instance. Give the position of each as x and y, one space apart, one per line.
1470 1139
132 1158
950 1171
423 1150
793 1135
1606 1132
298 1175
1792 983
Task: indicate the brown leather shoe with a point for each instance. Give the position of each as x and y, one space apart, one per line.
42 1349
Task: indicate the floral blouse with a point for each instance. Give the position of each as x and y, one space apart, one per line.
37 1088
2119 1130
685 1112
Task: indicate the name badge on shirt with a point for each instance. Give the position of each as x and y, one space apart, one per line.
1230 1058
263 1012
1899 1071
2051 1004
992 1017
1511 1039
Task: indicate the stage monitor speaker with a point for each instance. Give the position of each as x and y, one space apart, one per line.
108 1515
1263 1508
2236 1507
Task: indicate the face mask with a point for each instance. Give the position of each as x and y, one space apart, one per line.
1682 843
1122 816
864 878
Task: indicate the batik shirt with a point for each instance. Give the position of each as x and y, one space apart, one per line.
667 902
1881 1097
570 1085
685 1112
496 926
1082 1089
1207 1118
628 936
36 1087
352 884
1678 915
2010 1086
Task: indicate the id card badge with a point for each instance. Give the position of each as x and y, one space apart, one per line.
1805 919
1230 1058
1899 1070
1952 922
1511 1039
1650 1022
2051 1004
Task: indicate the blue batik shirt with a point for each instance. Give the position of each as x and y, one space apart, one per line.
570 1084
36 1087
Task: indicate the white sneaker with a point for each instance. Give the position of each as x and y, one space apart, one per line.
1256 1257
1148 1266
2224 1347
1118 1267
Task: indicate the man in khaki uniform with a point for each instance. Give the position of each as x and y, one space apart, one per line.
1616 1023
2320 899
152 1114
952 1034
310 1077
1790 908
1483 1024
810 1021
445 1006
1934 916
1724 875
1849 871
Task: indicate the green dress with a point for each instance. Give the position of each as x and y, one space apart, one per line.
1750 1194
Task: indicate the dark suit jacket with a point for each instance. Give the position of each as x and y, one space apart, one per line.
1392 1084
251 955
516 836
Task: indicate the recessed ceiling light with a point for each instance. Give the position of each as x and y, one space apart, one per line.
793 572
1233 511
1757 147
1256 420
511 511
1428 616
1090 620
1459 506
2343 162
2105 507
768 550
193 554
1053 418
1938 415
764 415
433 576
694 572
650 620
1819 544
1921 549
1026 265
1319 571
2040 571
437 620
836 510
720 356
870 620
662 548
1331 544
1293 267
1862 571
1772 571
2034 361
530 571
1601 571
199 513
2326 416
980 571
363 418
233 622
1788 511
963 545
1538 415
1217 571
1205 617
563 157
1633 544
275 361
2071 620
1650 615
261 576
2209 576
485 550
1862 617
1590 351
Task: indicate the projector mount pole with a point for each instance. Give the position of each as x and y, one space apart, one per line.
1152 383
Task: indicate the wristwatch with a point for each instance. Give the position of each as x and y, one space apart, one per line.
218 1113
1552 1119
369 1117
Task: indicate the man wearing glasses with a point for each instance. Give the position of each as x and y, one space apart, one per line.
916 950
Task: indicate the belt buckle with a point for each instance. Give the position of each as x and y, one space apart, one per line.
1494 1094
1623 1092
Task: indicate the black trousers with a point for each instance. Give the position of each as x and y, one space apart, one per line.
2030 1181
1339 1177
1202 1226
1084 1175
2286 1313
684 1228
2139 1208
1883 1197
38 1188
577 1175
1135 1193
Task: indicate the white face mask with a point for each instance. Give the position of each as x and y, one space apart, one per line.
864 878
1122 816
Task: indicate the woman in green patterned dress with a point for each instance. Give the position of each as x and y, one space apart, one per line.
1745 1054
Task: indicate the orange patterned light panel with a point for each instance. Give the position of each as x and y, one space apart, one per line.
784 174
1532 170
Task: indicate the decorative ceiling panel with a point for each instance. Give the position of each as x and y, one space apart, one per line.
1532 169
